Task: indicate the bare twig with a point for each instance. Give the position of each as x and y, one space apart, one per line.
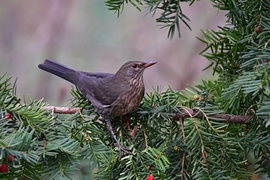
61 110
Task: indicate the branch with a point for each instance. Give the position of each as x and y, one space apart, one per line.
187 113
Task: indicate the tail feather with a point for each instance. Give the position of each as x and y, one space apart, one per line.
58 70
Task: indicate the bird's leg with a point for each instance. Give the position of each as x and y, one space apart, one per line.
120 147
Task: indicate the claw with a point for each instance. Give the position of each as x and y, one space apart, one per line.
122 149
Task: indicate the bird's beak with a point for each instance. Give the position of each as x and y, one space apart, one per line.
148 64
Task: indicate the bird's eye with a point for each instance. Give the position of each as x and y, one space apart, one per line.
135 66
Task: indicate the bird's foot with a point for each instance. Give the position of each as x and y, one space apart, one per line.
122 149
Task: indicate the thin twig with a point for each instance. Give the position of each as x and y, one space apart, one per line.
204 153
184 152
229 118
145 137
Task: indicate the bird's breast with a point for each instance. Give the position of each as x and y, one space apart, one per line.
128 100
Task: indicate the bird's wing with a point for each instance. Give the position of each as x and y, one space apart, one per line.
97 87
97 75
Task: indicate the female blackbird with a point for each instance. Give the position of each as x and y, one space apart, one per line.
112 95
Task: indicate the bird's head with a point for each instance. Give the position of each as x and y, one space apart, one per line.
134 69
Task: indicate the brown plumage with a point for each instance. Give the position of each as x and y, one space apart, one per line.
112 95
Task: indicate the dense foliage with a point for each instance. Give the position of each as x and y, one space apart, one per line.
39 144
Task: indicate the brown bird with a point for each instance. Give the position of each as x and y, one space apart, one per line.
112 95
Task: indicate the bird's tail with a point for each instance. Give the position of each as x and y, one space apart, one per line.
59 70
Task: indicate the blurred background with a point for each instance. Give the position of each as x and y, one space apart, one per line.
86 36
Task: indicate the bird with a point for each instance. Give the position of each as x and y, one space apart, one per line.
112 95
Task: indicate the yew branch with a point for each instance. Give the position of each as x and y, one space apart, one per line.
187 113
